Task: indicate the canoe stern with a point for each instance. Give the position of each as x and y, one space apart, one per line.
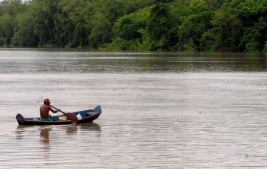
20 119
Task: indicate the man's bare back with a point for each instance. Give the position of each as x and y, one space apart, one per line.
44 111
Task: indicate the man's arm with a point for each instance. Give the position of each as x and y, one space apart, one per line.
54 111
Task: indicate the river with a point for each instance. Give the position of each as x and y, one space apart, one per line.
160 110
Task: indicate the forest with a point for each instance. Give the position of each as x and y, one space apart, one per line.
136 25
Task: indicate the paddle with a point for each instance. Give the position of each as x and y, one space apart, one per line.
70 116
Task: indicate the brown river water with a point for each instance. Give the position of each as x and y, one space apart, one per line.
160 111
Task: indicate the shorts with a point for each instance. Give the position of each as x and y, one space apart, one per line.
45 119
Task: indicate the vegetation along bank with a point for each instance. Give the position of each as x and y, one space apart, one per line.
136 25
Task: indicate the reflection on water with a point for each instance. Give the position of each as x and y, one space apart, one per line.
48 146
164 111
44 137
89 127
33 61
72 129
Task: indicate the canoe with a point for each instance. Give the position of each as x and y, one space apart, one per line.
84 116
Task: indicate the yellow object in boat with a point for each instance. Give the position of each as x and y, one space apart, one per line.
62 118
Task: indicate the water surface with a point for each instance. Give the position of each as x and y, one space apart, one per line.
164 111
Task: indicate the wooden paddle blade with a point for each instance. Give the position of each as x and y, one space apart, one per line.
72 117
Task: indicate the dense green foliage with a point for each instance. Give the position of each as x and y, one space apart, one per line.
137 25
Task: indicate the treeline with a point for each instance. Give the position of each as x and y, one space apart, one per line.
136 25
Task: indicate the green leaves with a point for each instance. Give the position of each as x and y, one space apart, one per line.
252 7
157 25
254 16
194 26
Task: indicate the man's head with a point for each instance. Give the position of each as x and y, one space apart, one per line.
46 101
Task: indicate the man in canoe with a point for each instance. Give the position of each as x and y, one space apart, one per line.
44 111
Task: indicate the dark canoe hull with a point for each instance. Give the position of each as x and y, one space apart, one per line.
86 116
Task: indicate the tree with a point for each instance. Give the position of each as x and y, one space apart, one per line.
128 27
24 32
6 28
43 12
101 31
170 25
9 9
253 15
129 32
227 29
158 26
194 25
70 25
